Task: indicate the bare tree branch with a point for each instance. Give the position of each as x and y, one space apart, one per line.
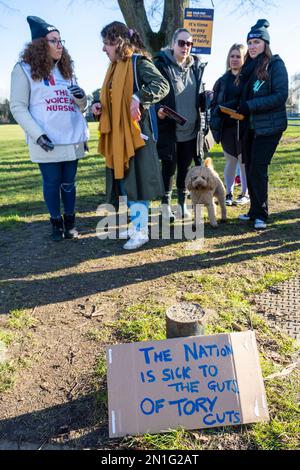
7 8
137 13
136 17
246 6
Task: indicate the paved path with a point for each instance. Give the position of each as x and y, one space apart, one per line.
280 305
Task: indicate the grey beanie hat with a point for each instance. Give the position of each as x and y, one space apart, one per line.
259 30
39 28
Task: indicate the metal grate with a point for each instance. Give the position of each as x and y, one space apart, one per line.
280 305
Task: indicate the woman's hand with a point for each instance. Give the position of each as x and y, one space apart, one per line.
45 143
97 109
244 109
76 91
135 110
161 114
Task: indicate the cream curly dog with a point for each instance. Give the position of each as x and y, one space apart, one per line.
204 184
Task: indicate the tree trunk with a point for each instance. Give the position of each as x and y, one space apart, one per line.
136 17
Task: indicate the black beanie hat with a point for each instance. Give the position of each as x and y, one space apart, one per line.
39 28
259 30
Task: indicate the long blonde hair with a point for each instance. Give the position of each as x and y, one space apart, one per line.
239 47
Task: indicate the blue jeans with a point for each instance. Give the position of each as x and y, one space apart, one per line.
138 214
59 183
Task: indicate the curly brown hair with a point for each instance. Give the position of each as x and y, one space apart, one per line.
37 55
128 40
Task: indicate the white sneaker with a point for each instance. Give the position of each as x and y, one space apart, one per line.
182 212
136 240
167 213
260 224
241 200
124 234
245 217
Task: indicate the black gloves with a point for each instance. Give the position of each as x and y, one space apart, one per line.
45 143
76 91
205 100
244 109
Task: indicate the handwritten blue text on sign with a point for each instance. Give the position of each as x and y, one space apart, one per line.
198 381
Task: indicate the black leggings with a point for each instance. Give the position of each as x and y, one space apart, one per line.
257 154
185 153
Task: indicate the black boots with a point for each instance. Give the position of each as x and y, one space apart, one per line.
57 229
70 230
63 228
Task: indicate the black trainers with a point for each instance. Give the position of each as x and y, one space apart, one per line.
70 230
228 199
57 229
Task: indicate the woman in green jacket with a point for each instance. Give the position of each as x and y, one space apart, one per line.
132 84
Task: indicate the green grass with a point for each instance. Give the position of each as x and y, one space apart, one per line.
101 367
21 194
141 322
6 337
19 319
283 430
235 265
9 372
11 221
15 329
100 335
21 189
269 280
179 439
7 376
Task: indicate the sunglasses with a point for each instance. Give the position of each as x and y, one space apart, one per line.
182 43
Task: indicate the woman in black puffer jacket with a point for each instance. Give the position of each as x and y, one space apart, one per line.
263 104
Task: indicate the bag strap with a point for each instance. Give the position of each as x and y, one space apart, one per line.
135 78
151 110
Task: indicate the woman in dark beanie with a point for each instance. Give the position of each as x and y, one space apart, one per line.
263 104
178 145
47 103
127 132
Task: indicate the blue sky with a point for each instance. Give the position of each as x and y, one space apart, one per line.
80 26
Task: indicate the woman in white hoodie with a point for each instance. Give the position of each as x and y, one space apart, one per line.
48 104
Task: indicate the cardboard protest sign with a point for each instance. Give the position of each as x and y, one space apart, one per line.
199 22
195 382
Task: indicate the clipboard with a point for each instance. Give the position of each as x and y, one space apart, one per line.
232 113
181 120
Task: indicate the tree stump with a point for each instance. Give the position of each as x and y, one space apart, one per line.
185 319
